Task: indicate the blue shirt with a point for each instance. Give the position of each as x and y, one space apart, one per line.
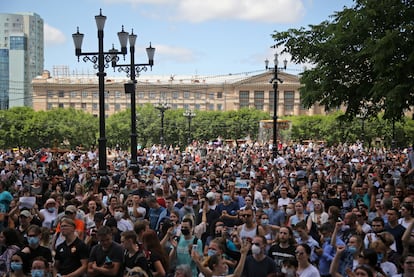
231 209
276 217
155 216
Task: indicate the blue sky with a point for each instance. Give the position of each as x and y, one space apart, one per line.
204 37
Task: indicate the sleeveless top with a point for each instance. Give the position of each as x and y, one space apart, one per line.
244 233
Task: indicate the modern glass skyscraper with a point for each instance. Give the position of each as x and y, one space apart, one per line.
21 57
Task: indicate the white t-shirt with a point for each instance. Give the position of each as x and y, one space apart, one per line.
310 271
49 218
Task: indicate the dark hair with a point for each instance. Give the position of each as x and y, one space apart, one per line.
365 268
129 235
42 259
307 248
153 244
379 219
11 237
35 229
103 231
188 220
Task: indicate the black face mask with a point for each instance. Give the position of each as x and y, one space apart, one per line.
185 231
218 234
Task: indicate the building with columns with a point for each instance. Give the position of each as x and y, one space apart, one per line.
204 93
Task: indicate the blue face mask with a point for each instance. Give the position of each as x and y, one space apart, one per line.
16 266
51 210
226 198
33 240
211 252
352 249
38 273
265 222
380 256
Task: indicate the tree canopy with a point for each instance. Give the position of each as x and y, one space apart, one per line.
363 57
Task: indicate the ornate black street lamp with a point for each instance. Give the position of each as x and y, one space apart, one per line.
162 107
101 61
189 114
132 70
275 81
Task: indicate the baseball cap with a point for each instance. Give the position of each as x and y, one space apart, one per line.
72 209
25 213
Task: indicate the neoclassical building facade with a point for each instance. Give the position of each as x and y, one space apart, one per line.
208 93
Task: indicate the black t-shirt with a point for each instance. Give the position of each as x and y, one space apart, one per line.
280 255
138 259
115 253
28 258
253 268
70 256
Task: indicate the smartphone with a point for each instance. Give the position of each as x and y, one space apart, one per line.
194 247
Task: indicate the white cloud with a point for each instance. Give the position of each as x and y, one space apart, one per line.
173 53
274 11
53 36
250 10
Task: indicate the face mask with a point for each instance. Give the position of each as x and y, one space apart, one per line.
211 252
51 210
226 198
38 273
289 272
33 240
289 211
265 222
256 249
118 215
131 210
185 231
292 180
380 256
193 185
219 234
352 249
16 266
195 202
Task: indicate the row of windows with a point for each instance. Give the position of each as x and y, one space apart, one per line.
140 94
259 100
118 106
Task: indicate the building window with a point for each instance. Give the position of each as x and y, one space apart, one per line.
271 101
140 95
197 95
72 105
219 107
152 95
95 94
186 94
211 95
94 106
197 107
211 107
61 106
289 97
186 106
174 106
175 94
73 94
117 94
49 94
83 105
85 94
259 100
117 107
106 107
244 99
219 95
61 93
49 106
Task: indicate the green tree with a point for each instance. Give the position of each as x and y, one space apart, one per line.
363 58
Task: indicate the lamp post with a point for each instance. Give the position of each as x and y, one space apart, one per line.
132 70
101 61
393 135
275 81
162 107
189 114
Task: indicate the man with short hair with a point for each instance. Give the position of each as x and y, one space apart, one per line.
133 255
186 243
284 249
275 214
396 229
258 264
71 256
106 257
156 213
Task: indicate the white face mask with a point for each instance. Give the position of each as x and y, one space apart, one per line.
290 211
118 215
131 211
256 249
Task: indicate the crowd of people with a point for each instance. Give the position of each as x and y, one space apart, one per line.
211 210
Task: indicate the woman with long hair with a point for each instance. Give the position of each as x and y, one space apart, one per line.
159 264
16 266
305 268
10 239
299 213
318 216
